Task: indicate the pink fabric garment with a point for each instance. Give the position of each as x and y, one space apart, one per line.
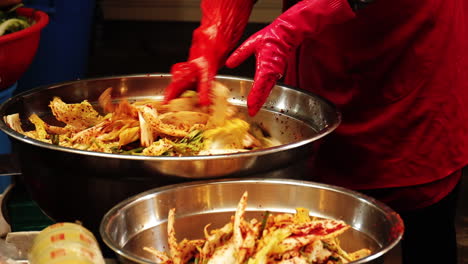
399 74
414 197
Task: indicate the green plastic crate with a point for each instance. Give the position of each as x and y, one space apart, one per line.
22 213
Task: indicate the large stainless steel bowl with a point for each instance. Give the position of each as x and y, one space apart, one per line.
70 184
142 220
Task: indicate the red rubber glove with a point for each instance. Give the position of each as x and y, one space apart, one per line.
274 44
222 25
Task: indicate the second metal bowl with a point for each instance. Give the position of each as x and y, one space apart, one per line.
142 220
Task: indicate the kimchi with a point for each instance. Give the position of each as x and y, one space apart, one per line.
278 238
181 127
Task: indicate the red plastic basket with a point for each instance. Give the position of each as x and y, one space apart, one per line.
17 49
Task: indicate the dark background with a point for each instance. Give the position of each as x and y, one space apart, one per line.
126 47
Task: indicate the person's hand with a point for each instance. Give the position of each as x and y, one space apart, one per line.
275 43
197 73
222 24
4 3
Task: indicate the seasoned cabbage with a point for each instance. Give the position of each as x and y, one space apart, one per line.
180 128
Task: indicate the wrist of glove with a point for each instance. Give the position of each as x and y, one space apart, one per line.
275 43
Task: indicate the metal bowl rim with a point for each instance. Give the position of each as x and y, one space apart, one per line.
107 218
253 153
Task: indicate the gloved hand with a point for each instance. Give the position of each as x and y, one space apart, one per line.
222 25
274 44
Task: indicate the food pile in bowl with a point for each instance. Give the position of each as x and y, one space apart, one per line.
280 238
284 221
149 127
11 22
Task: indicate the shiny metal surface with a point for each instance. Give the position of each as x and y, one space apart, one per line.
142 220
70 184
